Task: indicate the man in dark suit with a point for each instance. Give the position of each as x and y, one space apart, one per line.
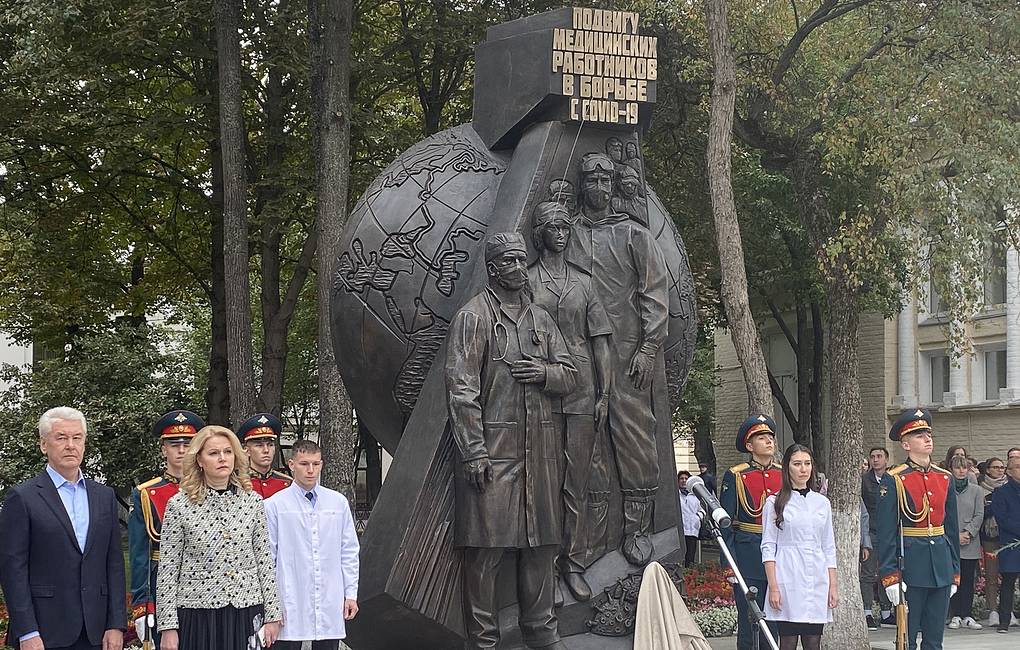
61 564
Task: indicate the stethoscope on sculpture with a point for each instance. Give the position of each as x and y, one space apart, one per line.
498 325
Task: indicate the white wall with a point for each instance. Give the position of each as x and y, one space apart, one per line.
14 354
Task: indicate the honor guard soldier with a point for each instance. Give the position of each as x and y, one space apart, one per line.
148 502
259 435
744 490
918 533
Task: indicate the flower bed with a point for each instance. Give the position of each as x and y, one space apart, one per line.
707 587
710 599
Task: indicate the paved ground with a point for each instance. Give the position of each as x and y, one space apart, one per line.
884 639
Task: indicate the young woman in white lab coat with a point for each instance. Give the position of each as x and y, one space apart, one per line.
799 552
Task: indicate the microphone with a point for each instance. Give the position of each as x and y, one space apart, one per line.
709 502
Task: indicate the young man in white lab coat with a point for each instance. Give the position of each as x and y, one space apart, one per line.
315 547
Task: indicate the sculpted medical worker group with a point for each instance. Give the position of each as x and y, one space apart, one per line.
549 373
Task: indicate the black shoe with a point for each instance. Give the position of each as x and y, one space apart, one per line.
872 625
1002 630
889 620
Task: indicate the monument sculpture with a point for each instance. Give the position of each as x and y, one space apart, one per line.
488 505
505 362
566 292
629 276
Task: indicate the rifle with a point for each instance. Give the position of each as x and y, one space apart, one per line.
901 608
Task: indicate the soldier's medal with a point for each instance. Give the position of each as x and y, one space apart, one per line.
725 487
882 490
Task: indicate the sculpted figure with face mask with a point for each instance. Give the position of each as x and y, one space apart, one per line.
506 362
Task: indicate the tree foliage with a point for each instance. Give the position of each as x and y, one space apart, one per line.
121 379
875 146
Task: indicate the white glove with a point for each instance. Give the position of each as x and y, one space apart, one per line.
952 590
140 627
893 593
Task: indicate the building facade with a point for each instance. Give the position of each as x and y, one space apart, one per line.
908 361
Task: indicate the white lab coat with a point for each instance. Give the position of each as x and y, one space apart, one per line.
316 553
803 551
690 508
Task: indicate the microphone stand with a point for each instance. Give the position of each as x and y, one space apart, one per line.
754 613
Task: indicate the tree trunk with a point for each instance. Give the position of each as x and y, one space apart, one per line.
274 333
847 631
724 211
817 375
704 450
804 350
329 36
235 225
845 443
217 393
274 367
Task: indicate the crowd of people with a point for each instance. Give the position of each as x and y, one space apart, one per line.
927 530
224 550
974 484
227 552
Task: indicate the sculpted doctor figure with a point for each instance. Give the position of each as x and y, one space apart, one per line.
506 360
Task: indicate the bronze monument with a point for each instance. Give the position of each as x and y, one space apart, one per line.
553 93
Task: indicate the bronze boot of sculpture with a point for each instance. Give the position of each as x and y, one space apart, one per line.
637 525
598 519
577 585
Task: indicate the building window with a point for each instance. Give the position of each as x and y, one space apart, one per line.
995 274
938 366
995 373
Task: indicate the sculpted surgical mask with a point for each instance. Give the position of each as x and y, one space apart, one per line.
510 270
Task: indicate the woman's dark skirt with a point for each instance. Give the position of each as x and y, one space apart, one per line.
785 628
226 628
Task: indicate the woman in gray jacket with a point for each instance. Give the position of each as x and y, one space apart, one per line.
970 509
216 587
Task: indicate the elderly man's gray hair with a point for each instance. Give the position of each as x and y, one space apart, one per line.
60 413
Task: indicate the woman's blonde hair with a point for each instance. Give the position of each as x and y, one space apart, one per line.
193 482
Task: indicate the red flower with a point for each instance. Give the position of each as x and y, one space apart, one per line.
707 587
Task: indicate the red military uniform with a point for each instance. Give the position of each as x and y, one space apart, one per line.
744 490
148 504
269 484
145 521
917 525
263 427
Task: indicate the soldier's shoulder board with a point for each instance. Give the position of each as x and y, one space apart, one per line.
736 469
898 469
280 475
940 469
153 482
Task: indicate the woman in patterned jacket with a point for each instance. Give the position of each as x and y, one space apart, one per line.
217 585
